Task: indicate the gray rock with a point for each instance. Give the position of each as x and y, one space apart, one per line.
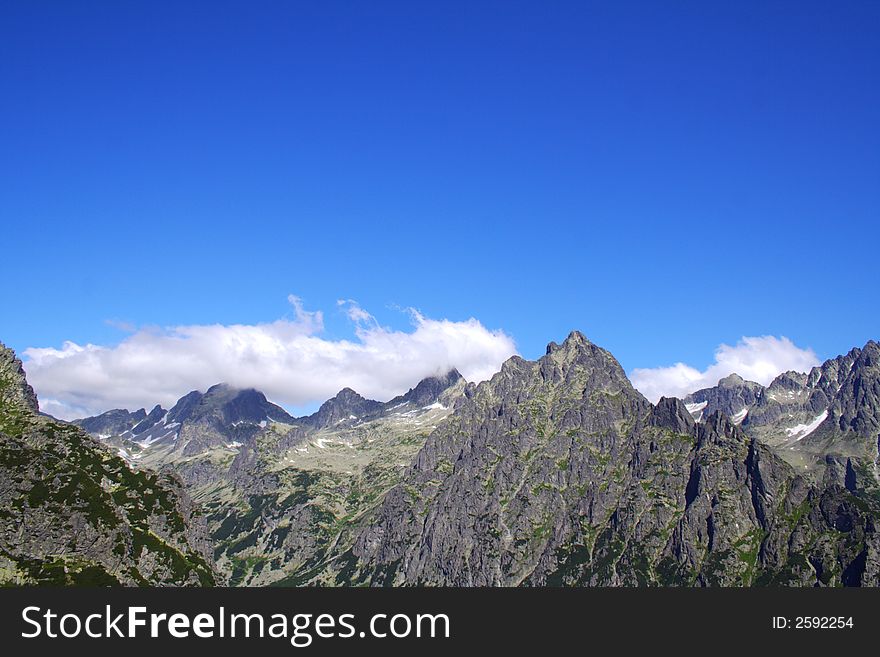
558 472
731 395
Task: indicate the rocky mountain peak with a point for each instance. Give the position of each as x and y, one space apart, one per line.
733 396
429 389
576 348
348 395
731 381
113 422
184 406
718 427
671 413
221 406
575 341
586 366
870 355
789 381
15 391
150 420
347 404
239 405
856 406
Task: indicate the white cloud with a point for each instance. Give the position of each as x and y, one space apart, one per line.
286 359
355 313
758 359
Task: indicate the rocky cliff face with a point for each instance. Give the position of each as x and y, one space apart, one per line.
558 472
855 408
831 412
16 394
73 513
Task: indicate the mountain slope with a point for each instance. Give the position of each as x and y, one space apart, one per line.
72 513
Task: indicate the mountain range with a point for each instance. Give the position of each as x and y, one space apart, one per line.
555 472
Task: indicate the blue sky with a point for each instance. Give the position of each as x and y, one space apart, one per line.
665 177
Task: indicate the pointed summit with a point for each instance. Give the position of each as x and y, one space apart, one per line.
733 396
671 413
731 381
870 354
579 359
348 396
229 404
346 405
428 390
790 380
576 337
150 420
575 340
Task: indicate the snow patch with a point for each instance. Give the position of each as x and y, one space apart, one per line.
126 456
696 408
739 417
804 430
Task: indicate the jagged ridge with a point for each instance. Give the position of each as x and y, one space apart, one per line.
559 473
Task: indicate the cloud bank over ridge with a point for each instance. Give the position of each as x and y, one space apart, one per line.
295 365
287 359
758 359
